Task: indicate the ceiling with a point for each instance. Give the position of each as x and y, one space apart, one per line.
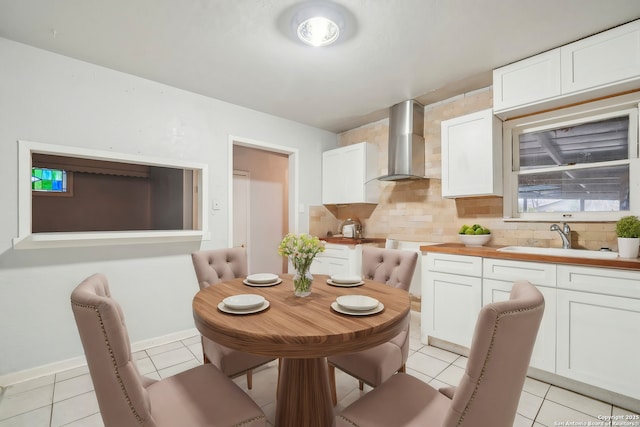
242 52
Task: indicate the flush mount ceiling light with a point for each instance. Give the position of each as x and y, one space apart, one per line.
318 23
318 31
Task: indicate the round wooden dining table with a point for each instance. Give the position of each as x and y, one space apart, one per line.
302 332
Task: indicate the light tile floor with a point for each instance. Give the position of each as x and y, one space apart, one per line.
67 398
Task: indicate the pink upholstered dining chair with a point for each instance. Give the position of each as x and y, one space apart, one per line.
211 267
489 391
201 396
375 365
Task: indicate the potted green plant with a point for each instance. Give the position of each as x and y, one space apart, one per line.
628 232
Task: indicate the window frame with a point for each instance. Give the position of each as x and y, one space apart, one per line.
28 240
598 110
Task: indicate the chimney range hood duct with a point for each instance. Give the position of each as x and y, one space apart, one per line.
406 142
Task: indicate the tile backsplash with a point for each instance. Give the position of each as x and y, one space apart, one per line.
416 211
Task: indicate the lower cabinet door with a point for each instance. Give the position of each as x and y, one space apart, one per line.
599 340
329 265
451 306
544 351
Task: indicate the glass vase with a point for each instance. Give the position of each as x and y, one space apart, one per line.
302 283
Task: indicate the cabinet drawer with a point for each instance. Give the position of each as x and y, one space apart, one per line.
537 273
456 264
606 281
335 251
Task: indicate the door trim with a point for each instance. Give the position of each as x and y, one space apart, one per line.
293 155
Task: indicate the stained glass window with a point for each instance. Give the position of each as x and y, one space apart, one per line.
49 180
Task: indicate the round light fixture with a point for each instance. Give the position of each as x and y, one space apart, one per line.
318 31
318 23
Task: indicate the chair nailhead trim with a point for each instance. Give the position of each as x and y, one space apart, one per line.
486 360
349 421
113 360
250 420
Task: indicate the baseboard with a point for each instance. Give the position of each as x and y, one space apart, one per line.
75 362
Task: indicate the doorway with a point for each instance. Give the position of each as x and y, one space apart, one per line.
262 203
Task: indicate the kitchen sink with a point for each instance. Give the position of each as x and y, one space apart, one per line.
575 253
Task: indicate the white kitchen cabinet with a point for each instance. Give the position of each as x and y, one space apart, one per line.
544 351
589 331
601 65
531 80
348 174
338 259
598 318
603 59
472 155
498 278
452 297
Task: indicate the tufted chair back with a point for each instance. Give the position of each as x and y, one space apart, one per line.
375 365
120 389
215 265
390 266
211 267
489 391
200 396
500 352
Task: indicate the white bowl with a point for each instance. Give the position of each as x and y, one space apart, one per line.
346 278
474 239
243 301
262 278
357 302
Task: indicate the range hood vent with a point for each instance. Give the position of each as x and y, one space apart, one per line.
406 142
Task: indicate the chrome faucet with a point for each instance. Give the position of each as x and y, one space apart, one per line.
565 234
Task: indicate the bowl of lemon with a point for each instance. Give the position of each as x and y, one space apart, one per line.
474 235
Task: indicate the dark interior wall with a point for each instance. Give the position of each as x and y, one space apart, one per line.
166 198
99 203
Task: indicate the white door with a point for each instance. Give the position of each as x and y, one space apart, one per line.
241 210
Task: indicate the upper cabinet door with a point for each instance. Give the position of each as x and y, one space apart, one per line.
347 174
472 155
602 65
603 59
530 80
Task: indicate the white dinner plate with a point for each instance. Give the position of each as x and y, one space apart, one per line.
357 302
262 278
336 307
243 301
226 309
275 282
345 278
345 285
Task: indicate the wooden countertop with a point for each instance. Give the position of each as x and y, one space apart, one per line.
491 252
350 241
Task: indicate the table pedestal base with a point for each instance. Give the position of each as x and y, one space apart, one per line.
303 394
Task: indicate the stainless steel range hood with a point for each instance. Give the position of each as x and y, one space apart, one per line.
406 142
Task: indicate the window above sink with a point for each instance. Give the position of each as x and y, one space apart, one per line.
579 163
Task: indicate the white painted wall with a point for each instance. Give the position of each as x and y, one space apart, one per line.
50 98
